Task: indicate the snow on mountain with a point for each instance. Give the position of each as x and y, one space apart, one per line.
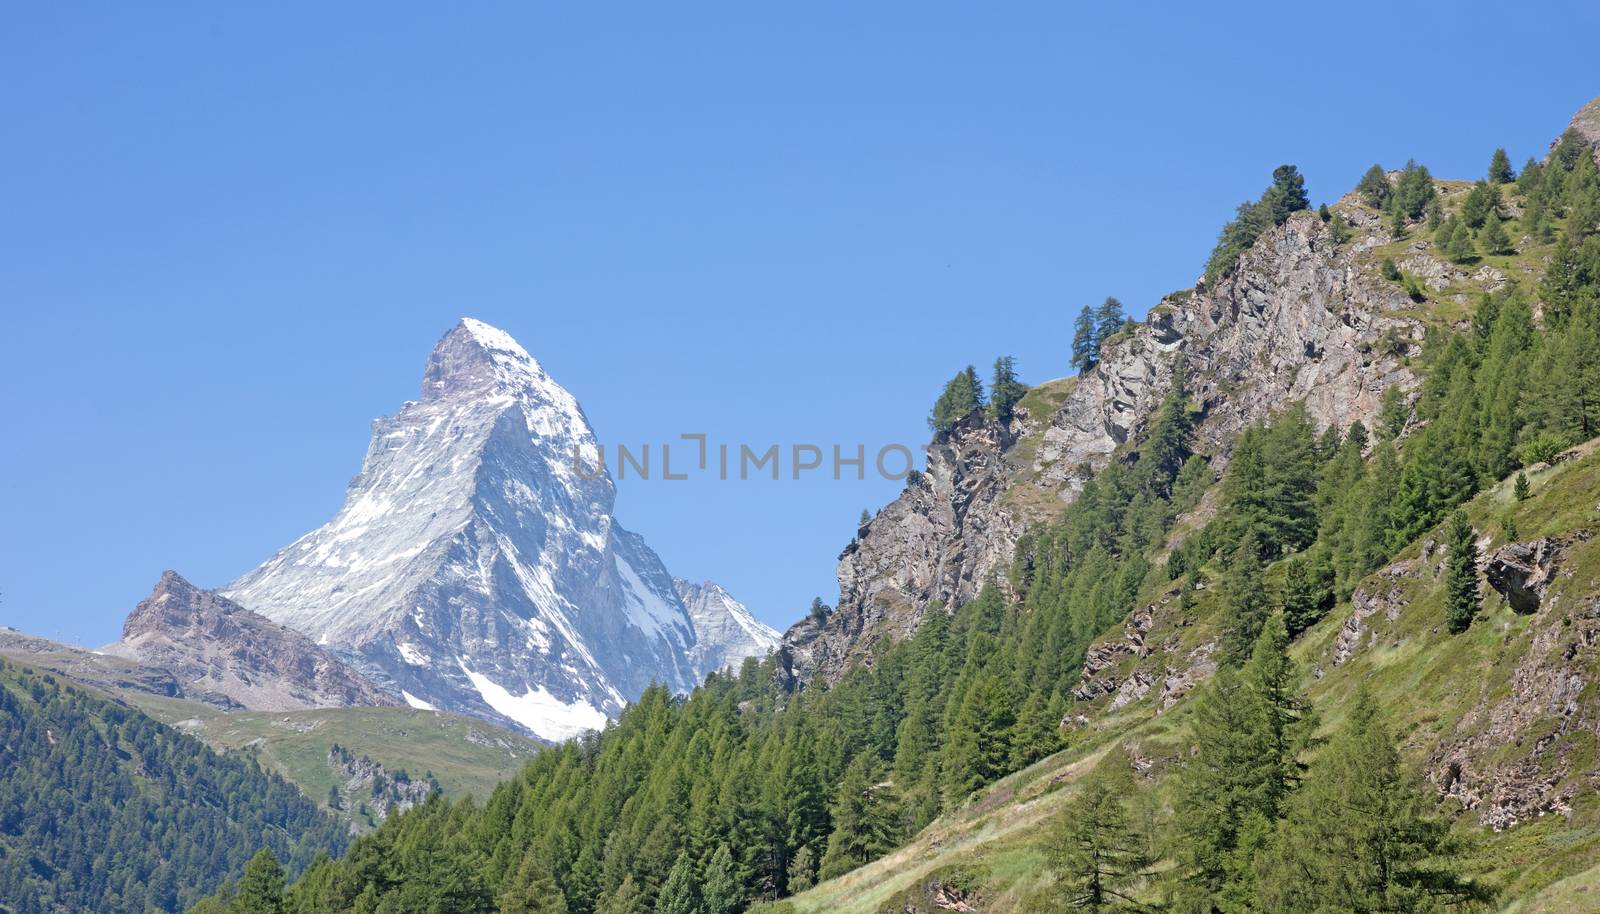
476 566
725 631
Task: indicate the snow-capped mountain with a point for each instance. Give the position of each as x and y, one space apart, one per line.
476 566
725 631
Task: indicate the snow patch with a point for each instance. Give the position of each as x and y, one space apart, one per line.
413 655
416 702
538 710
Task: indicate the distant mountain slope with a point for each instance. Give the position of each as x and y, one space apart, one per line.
725 631
476 565
213 646
103 809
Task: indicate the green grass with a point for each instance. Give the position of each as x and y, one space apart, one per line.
467 756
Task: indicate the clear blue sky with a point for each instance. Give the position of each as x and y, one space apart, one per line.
231 237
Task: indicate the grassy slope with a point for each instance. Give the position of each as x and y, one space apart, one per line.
467 756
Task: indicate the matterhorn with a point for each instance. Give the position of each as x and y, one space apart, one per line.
476 565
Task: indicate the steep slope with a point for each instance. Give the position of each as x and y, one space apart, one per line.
1302 319
103 809
476 565
215 647
725 631
1500 721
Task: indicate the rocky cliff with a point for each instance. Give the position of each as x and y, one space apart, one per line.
725 632
215 647
1302 319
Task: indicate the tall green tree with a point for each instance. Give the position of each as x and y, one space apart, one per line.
1374 187
1085 342
1108 319
261 887
1461 582
1500 168
1004 389
1099 858
1359 838
962 396
865 818
1287 195
681 893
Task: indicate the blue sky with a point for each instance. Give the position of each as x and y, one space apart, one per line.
231 237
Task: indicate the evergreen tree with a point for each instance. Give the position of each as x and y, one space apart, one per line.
1494 238
1500 168
533 890
1085 342
724 893
1244 604
865 818
680 894
1287 195
1459 248
627 899
802 871
1389 270
261 889
962 396
1005 390
864 519
1374 188
1412 193
1520 488
1097 855
1482 202
1108 320
1307 591
1358 838
1461 586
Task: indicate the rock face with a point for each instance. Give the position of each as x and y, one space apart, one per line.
1587 123
1521 572
725 631
213 646
363 783
1300 320
476 566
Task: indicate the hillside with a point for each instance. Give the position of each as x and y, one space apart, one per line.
1499 722
461 755
1192 655
104 809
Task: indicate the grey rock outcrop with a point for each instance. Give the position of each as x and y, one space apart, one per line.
1301 319
1522 572
215 647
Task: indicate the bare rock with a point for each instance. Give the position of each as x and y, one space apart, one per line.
1521 572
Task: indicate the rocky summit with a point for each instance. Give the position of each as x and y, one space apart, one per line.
476 565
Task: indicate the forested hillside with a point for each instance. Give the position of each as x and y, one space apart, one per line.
103 809
1270 791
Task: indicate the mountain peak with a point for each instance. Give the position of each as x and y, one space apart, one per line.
215 647
474 357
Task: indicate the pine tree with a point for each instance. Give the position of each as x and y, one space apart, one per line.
865 818
533 890
1108 320
962 396
627 899
1482 202
1287 195
1244 603
723 893
1085 344
1307 591
865 519
1520 488
1461 586
261 888
680 894
1494 238
1358 837
1389 270
1005 390
1459 248
1097 855
1500 168
802 871
1374 187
